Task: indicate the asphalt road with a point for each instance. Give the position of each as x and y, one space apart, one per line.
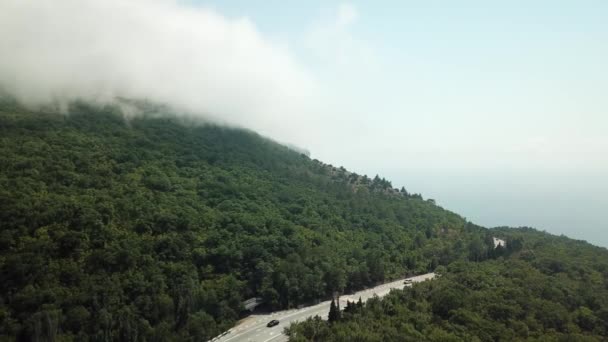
253 328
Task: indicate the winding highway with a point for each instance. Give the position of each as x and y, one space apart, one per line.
253 328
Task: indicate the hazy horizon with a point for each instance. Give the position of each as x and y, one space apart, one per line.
496 111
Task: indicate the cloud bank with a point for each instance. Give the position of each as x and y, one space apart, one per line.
193 59
478 115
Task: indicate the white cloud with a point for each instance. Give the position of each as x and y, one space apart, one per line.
192 58
415 106
347 14
335 47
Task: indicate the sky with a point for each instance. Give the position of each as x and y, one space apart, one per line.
497 110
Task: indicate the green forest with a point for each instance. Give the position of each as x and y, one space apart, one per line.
157 228
552 289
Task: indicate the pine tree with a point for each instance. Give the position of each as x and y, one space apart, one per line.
334 312
351 307
359 303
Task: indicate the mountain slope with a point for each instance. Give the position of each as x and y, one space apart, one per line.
553 289
156 228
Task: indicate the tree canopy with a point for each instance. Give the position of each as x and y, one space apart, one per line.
155 228
158 228
546 289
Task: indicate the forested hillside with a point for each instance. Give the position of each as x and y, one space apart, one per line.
552 289
153 228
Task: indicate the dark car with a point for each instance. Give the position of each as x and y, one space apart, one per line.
273 323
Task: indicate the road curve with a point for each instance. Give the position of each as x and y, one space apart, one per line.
254 329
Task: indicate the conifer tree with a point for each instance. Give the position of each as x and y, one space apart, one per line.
334 312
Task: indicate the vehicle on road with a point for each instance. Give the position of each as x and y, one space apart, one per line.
407 281
273 323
